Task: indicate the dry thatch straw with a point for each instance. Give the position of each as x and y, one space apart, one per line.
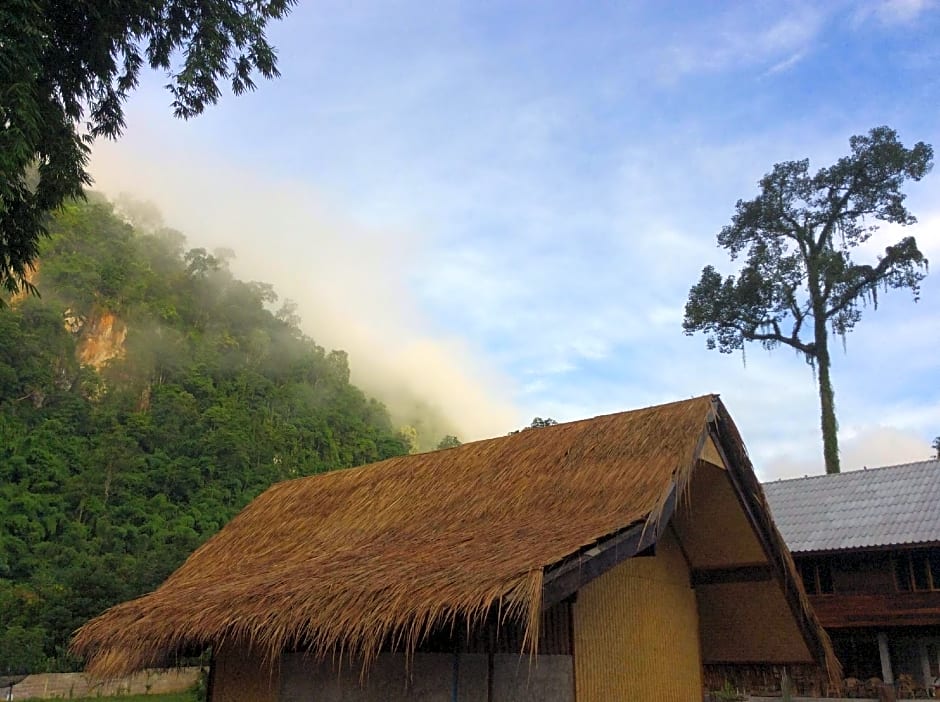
342 563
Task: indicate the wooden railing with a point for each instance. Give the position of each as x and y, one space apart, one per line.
889 609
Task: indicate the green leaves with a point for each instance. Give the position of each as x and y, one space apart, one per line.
797 236
66 70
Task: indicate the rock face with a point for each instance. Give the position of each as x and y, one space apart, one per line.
73 322
30 277
102 338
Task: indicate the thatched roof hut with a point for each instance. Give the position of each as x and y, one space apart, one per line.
377 558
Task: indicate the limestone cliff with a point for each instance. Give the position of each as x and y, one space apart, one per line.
101 337
30 277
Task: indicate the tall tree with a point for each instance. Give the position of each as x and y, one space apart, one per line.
936 447
66 69
799 283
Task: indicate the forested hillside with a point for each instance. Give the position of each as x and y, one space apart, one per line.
144 399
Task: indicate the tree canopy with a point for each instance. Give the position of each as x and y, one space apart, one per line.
145 398
449 441
537 423
798 282
67 69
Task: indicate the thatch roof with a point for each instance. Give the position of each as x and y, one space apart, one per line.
350 560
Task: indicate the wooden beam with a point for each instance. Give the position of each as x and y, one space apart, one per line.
737 574
574 572
884 609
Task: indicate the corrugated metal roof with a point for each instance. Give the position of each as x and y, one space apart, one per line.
885 506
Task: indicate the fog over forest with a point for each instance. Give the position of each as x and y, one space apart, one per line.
349 281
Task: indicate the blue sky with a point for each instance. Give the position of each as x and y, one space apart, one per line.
500 207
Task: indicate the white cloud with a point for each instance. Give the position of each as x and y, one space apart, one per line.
787 63
892 11
741 38
870 446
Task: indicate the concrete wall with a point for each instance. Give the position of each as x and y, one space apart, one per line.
431 678
636 631
69 685
548 679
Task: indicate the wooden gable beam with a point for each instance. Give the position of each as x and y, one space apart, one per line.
738 574
565 578
569 575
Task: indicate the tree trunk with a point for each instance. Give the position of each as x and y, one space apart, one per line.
827 404
827 407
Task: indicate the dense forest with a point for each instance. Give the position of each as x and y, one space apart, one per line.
146 397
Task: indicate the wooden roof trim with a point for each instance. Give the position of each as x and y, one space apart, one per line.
860 550
569 575
577 570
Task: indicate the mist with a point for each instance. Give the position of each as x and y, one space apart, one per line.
349 281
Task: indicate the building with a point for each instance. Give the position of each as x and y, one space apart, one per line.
867 544
629 556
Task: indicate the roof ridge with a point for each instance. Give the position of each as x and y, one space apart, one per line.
713 397
660 405
863 469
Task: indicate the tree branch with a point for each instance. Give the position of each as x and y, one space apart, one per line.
798 315
868 277
786 340
837 214
750 333
800 231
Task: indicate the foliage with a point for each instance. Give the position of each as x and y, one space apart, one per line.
66 71
448 441
110 478
537 423
799 283
787 688
936 447
727 693
200 691
165 697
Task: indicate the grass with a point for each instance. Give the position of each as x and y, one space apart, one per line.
168 697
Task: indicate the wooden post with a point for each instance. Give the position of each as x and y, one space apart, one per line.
887 693
925 663
886 673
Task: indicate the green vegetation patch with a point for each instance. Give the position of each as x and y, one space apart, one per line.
145 398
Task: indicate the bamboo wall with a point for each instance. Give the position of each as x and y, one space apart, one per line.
741 622
239 676
712 525
637 633
747 623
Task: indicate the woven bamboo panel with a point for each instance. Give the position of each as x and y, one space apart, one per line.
637 632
